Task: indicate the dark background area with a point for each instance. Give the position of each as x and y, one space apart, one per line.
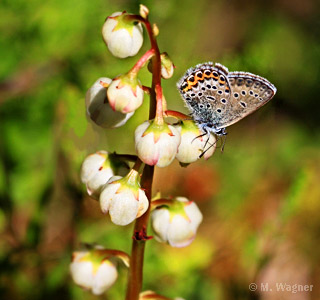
260 198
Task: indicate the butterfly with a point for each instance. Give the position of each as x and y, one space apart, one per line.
218 98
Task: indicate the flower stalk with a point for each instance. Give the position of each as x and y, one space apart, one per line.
135 275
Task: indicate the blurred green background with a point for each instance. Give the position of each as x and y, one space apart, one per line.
260 198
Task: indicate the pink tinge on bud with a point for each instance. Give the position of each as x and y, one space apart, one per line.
124 96
98 108
177 227
155 146
123 36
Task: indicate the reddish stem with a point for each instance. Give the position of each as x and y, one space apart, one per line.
146 89
161 202
176 114
141 62
159 110
135 276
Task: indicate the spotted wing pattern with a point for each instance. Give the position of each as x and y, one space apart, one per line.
221 98
206 92
248 93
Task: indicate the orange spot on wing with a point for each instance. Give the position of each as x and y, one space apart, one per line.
199 78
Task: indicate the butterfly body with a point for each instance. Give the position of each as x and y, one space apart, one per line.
218 98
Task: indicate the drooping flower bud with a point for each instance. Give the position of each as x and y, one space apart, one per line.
122 34
155 29
176 223
143 11
123 198
98 107
193 143
97 169
167 66
125 93
156 144
93 271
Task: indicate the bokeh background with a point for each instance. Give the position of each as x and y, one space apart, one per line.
260 198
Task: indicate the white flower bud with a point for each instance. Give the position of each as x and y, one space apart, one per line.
97 169
193 144
92 272
156 144
167 66
124 199
176 224
123 36
144 11
98 107
125 94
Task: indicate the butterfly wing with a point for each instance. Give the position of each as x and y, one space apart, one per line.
206 92
248 93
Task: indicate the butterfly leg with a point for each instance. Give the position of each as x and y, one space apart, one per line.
199 136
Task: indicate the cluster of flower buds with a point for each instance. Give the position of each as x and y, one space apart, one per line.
121 196
110 103
158 144
96 269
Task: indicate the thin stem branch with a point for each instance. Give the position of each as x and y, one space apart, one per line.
141 62
176 114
